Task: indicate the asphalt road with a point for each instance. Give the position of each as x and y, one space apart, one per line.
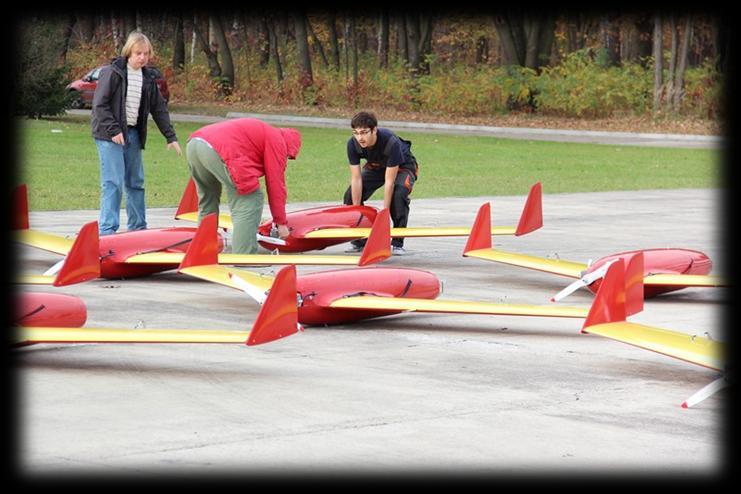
412 394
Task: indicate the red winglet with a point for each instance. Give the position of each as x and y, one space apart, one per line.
189 201
19 220
532 214
378 246
278 316
204 248
83 260
634 284
609 303
480 236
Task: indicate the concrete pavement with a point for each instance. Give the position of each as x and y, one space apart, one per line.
418 394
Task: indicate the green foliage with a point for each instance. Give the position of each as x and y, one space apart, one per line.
579 86
40 78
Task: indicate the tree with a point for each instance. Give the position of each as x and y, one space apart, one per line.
526 41
305 74
226 81
40 79
658 55
676 76
178 50
383 38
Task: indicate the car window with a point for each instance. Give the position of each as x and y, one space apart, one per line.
95 73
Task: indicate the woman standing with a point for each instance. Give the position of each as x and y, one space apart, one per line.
125 96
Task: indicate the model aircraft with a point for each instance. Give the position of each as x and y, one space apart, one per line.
609 320
145 252
349 295
54 309
277 319
666 270
321 227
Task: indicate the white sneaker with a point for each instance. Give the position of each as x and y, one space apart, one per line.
398 251
354 249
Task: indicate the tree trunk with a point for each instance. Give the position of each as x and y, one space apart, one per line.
482 50
213 61
305 74
334 44
610 40
682 65
658 55
510 40
178 52
116 33
413 41
227 63
67 37
383 39
86 25
401 38
317 43
669 93
264 42
274 54
425 42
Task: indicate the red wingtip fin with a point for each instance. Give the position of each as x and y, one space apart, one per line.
20 208
204 248
480 236
634 284
83 260
609 303
189 201
532 214
278 316
378 246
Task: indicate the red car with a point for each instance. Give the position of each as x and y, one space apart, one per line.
85 88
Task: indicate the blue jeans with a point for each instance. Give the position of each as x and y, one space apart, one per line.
121 169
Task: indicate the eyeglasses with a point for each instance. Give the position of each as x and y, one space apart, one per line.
363 132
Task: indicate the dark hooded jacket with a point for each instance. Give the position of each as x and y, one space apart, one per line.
109 104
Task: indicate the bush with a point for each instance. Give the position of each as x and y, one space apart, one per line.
40 79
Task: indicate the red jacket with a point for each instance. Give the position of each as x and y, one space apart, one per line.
252 149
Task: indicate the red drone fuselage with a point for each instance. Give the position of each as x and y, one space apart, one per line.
50 310
116 248
661 261
306 220
318 290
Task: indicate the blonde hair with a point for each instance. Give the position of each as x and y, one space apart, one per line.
136 37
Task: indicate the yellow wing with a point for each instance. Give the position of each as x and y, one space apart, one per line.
36 279
221 275
555 266
28 335
225 220
250 259
457 306
694 349
44 241
441 231
684 280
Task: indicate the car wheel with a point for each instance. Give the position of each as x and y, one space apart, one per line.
76 100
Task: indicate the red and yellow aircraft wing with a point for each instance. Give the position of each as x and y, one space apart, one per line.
610 322
456 306
277 319
80 264
531 219
479 246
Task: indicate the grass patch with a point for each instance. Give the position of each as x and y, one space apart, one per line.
62 171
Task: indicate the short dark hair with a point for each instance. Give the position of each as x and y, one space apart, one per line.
364 119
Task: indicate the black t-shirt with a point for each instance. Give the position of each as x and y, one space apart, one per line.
388 151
